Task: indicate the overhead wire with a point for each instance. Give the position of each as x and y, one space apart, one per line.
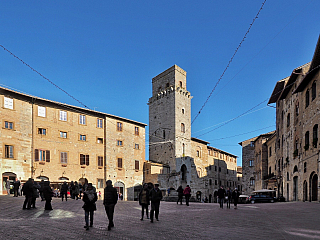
226 68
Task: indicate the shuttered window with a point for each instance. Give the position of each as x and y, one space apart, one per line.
84 159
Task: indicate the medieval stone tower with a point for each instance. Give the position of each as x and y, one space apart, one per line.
170 119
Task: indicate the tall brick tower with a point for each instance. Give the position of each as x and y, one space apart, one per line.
170 119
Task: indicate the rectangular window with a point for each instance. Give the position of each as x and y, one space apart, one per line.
41 155
82 119
251 163
215 182
136 146
99 123
84 159
8 151
100 140
119 143
63 134
42 131
8 125
63 115
83 137
100 161
8 103
136 165
41 111
100 183
64 157
119 126
136 131
119 162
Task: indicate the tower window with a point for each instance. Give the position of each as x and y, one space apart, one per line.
183 128
180 84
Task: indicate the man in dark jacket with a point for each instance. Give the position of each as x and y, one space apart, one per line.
64 190
109 202
41 189
28 192
221 195
235 197
155 197
16 186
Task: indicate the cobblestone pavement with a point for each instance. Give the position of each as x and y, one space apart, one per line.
292 220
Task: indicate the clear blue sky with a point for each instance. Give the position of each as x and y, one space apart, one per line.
105 54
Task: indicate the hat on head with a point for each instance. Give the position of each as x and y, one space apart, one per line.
156 184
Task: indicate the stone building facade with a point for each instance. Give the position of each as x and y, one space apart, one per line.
297 99
183 160
59 142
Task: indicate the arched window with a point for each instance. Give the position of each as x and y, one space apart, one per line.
307 98
252 181
182 128
315 136
287 176
180 84
295 169
314 90
306 141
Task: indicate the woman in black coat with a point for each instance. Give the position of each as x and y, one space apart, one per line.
89 198
47 194
144 200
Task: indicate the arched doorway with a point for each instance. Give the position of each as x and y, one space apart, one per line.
43 178
120 189
8 176
183 173
305 191
295 188
313 187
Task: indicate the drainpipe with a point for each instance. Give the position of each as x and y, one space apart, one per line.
32 137
105 150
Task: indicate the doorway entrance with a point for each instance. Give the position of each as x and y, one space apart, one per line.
8 176
314 186
120 189
295 188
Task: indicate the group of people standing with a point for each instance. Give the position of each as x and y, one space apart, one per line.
228 196
150 194
32 190
184 192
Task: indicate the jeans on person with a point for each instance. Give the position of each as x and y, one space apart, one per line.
154 210
86 217
144 206
221 200
109 211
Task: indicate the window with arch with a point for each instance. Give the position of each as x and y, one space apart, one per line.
183 149
297 109
315 136
305 167
180 84
307 98
314 90
288 176
306 141
295 169
182 110
252 181
288 120
183 128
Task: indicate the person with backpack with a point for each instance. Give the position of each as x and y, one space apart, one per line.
89 198
109 202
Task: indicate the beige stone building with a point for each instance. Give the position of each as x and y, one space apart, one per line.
181 159
297 99
59 142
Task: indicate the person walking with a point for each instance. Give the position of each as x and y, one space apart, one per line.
187 194
47 194
28 192
228 197
155 197
89 198
76 190
144 200
235 197
35 194
109 202
41 189
71 189
16 185
221 195
8 186
64 191
180 194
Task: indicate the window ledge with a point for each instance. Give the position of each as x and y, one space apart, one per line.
63 165
83 166
42 163
100 167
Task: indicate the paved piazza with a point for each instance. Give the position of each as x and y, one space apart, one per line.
292 220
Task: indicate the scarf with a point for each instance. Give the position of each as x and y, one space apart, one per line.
90 194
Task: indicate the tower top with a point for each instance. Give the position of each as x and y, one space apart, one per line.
169 70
